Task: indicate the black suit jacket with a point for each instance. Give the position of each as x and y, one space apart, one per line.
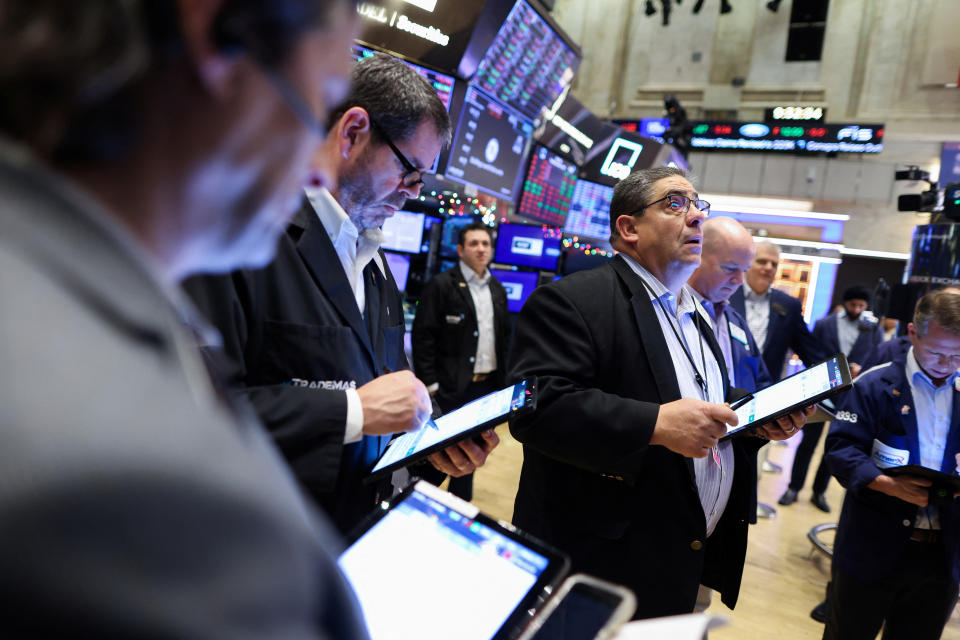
293 341
785 330
591 482
828 336
445 334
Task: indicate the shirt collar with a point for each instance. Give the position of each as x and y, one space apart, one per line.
471 276
338 224
916 374
687 302
706 304
750 294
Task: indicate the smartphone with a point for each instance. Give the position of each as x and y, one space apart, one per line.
583 607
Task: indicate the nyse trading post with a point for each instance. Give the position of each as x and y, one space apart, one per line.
489 145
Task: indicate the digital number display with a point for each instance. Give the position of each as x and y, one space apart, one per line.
770 136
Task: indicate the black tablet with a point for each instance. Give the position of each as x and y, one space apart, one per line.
800 390
429 566
470 419
942 485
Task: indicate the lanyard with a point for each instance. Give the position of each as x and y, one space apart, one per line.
701 381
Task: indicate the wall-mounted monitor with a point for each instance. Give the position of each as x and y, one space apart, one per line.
489 146
571 128
399 264
625 153
529 63
403 231
589 214
548 188
524 245
442 83
519 285
434 32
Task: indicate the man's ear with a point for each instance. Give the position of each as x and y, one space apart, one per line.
215 64
352 131
627 228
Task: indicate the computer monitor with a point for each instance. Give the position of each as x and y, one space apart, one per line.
548 187
489 146
519 285
403 231
626 153
589 214
524 245
451 234
434 32
399 264
529 63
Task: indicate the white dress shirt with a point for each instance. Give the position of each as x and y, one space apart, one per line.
354 250
933 408
757 306
485 360
714 473
847 331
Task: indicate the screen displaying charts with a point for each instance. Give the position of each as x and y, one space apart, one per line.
524 245
590 210
403 231
548 188
528 65
519 286
489 145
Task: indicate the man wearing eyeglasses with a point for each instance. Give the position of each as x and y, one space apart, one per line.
315 340
622 467
896 559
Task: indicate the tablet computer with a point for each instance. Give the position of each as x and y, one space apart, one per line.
800 390
429 566
470 419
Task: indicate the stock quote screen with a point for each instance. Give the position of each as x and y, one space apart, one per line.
489 145
793 137
548 188
590 210
529 64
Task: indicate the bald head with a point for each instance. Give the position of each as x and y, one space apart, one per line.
727 253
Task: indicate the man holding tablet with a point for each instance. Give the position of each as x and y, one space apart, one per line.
623 468
896 559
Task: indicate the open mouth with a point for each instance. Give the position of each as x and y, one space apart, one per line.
697 240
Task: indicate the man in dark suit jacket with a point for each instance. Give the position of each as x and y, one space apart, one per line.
896 559
315 340
135 501
775 318
622 468
855 335
461 332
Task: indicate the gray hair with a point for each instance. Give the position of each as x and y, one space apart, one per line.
636 190
396 97
940 305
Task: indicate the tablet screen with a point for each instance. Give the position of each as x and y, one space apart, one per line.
798 390
433 567
498 404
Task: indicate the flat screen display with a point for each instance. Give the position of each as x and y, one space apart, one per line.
529 64
489 146
589 214
397 568
519 286
403 231
434 32
548 188
451 234
441 82
400 268
570 127
524 245
625 153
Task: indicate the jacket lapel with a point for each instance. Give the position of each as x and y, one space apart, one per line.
903 398
321 259
953 436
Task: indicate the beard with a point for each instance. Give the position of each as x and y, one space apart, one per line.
357 197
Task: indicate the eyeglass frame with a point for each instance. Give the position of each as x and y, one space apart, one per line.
686 207
409 166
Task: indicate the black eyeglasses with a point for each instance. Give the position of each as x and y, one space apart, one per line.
678 204
413 176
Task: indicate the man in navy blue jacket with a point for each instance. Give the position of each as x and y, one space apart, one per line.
856 334
896 557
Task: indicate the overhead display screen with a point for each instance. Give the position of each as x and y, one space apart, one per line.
524 245
434 32
626 153
590 210
548 188
570 127
441 82
799 137
529 64
489 145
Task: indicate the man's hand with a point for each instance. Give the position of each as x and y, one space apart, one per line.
907 488
854 369
787 426
394 402
465 456
691 427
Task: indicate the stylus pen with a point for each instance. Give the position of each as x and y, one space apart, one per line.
430 423
742 401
